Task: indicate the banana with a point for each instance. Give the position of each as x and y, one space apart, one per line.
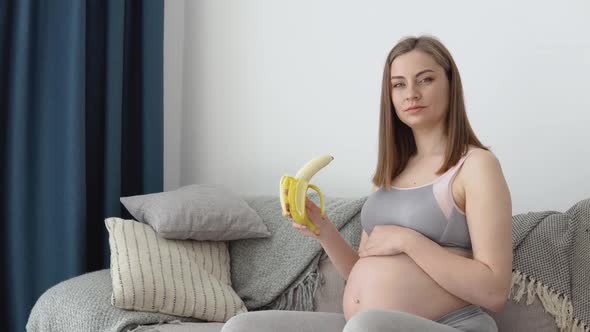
297 187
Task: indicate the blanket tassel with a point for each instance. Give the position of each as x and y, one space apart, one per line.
300 296
558 305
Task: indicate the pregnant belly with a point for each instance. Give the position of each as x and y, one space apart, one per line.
397 283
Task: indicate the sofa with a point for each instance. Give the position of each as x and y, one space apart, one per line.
89 301
516 316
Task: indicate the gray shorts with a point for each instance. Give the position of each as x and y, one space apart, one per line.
469 318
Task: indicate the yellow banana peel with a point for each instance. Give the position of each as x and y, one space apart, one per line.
297 191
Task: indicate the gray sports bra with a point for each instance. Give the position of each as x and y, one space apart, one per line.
429 209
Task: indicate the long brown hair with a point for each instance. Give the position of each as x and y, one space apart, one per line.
396 140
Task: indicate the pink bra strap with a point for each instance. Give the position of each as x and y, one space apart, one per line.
462 160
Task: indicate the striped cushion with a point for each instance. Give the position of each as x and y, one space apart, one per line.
178 277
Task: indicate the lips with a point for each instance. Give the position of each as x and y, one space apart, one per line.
414 108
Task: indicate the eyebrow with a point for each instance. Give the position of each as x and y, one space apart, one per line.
420 73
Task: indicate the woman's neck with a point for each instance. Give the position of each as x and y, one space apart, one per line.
430 142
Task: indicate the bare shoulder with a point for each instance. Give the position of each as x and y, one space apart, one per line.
481 164
481 158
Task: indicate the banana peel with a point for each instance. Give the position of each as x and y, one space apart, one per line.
297 187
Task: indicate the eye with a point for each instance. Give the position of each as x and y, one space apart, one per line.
427 79
396 85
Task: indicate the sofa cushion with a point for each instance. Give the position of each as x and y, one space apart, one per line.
178 277
519 317
199 212
328 297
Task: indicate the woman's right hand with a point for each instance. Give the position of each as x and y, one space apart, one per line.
315 215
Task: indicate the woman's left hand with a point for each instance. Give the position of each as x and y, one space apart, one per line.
386 240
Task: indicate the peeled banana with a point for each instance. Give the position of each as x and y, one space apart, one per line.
297 191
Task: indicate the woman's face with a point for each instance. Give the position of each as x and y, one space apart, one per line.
417 80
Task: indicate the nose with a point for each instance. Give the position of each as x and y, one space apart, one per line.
412 93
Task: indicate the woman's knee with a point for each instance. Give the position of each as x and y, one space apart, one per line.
374 320
283 320
242 322
364 321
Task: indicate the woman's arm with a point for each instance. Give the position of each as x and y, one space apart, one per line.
340 252
342 255
484 280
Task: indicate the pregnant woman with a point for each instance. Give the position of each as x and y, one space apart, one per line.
436 241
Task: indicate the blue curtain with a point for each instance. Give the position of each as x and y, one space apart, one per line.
81 125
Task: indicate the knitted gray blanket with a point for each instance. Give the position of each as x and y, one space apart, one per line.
552 261
83 303
282 271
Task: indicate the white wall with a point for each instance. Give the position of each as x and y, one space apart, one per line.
254 89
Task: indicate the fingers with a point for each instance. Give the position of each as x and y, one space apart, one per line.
288 211
287 205
299 226
303 229
309 204
307 200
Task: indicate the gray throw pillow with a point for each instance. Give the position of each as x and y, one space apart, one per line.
199 212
